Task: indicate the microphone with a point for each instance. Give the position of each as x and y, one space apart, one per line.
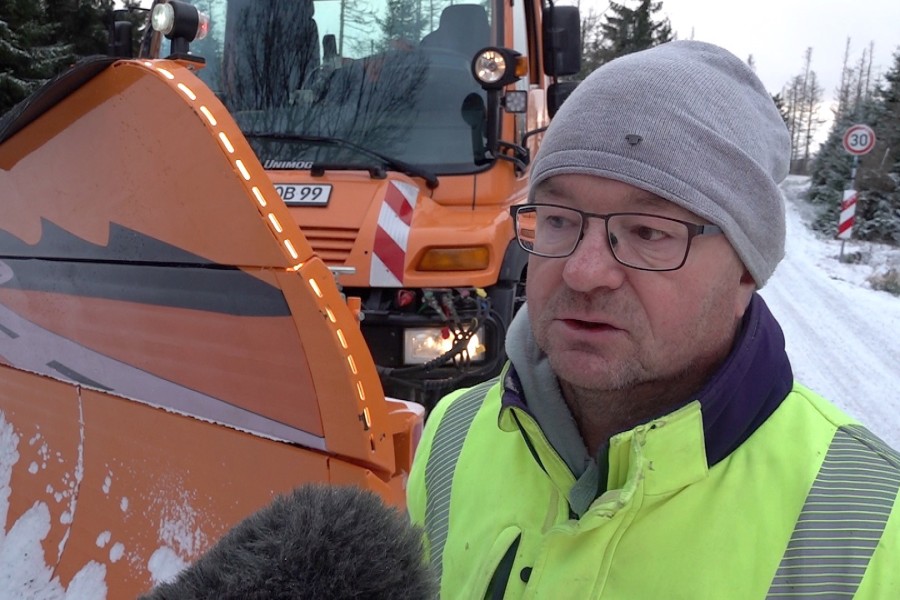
320 542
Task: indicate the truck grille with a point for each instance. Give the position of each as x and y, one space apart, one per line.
332 244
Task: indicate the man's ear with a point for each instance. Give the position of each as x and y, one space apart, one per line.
744 293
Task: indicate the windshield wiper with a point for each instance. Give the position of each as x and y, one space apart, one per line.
395 164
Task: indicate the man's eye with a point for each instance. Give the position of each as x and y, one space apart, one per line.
649 234
558 221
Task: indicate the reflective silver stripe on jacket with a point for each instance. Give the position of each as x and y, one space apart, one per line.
445 450
842 519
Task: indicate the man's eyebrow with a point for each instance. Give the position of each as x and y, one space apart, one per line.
546 187
643 198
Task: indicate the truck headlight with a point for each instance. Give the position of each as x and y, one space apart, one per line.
423 344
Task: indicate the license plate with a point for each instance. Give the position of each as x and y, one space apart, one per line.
304 195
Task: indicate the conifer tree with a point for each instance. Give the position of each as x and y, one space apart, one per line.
778 99
802 97
624 30
81 23
29 56
404 20
14 58
879 172
830 175
591 42
878 175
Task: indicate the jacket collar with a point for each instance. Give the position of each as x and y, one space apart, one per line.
740 396
749 386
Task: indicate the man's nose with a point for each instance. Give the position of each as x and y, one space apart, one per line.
592 264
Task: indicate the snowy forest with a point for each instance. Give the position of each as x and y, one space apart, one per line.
41 38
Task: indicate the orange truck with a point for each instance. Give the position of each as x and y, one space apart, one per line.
397 162
217 275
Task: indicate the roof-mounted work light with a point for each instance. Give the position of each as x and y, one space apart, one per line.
495 67
181 23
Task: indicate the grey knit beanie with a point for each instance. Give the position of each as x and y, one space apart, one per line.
687 121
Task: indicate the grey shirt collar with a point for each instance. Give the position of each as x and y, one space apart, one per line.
545 400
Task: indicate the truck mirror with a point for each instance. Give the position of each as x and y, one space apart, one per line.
557 94
561 33
120 40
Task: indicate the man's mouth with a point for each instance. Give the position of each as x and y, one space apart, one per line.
588 325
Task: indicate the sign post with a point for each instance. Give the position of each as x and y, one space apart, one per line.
858 140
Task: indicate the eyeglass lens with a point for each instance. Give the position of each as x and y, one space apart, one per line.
636 240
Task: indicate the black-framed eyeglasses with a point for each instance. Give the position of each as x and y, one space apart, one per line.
637 240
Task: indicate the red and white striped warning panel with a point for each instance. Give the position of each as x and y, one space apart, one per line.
848 212
392 235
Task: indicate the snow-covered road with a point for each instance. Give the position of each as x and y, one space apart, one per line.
843 339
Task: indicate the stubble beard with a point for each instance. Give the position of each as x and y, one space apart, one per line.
636 382
585 367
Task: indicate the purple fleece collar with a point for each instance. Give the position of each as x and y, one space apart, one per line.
749 386
746 389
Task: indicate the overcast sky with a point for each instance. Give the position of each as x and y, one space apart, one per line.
778 32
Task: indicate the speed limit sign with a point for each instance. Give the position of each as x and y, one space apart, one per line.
859 139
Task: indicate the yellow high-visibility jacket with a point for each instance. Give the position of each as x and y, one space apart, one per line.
805 505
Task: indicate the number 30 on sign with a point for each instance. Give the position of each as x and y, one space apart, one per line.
859 139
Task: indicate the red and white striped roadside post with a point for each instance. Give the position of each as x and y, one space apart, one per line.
859 139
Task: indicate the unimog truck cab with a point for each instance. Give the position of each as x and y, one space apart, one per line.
398 133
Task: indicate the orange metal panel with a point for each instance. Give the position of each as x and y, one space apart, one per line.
254 362
40 436
357 426
177 195
159 486
165 174
128 493
158 259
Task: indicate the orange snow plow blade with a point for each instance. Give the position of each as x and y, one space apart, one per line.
172 353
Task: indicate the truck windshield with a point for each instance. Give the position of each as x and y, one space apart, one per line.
390 75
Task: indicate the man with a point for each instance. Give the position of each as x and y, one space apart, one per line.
647 439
